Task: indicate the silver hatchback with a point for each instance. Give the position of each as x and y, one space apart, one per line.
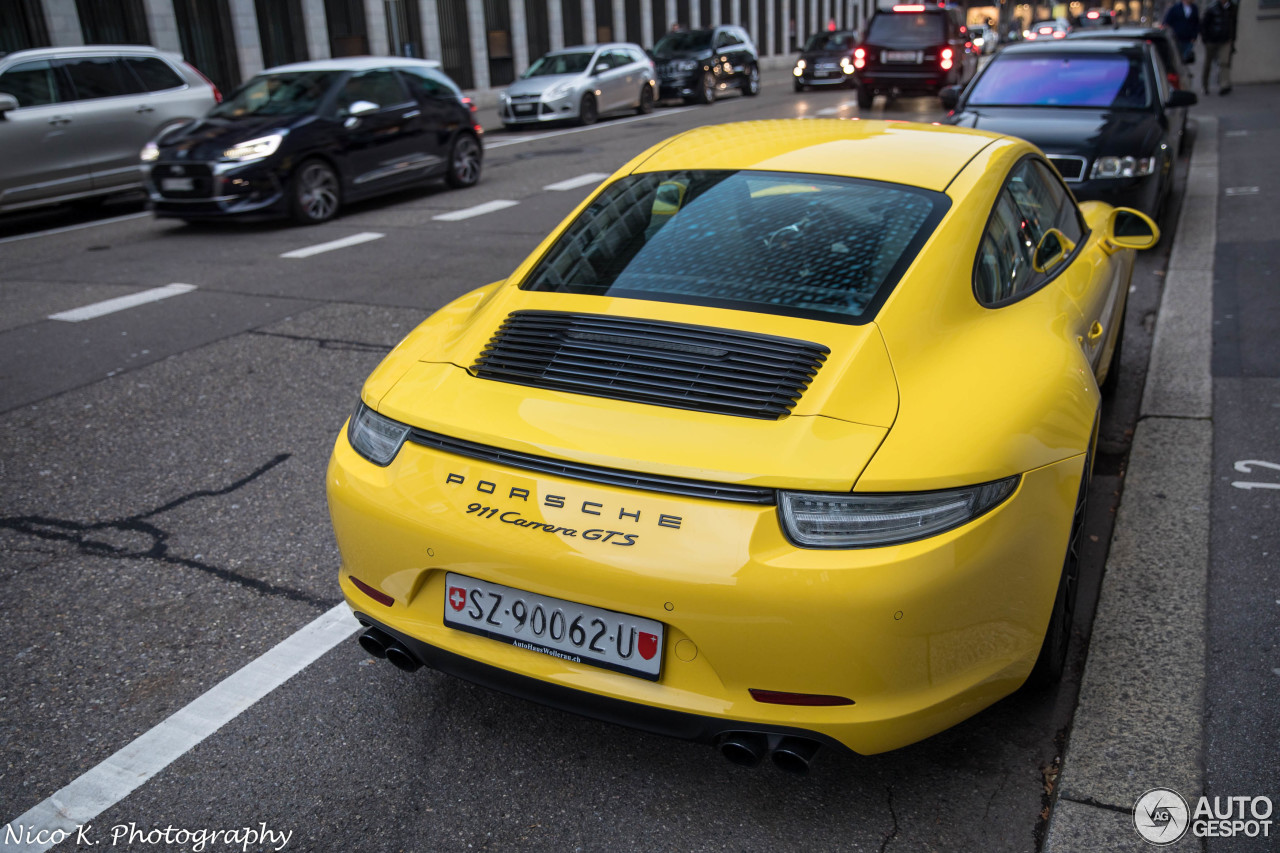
74 119
581 84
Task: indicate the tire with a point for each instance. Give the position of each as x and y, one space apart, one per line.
798 86
315 192
646 101
465 158
1052 660
588 112
751 87
1112 382
865 98
707 89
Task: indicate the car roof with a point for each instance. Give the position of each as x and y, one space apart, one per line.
1117 33
583 48
921 155
1076 46
354 63
83 50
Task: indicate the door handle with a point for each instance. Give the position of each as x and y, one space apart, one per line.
145 109
1095 331
412 114
60 120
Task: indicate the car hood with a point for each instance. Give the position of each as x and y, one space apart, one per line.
1084 132
824 443
538 85
207 138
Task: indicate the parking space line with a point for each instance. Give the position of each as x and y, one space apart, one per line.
574 183
120 303
64 229
100 788
320 248
478 210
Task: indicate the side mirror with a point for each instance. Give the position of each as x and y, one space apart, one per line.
1131 229
362 108
1052 249
950 96
1181 98
7 103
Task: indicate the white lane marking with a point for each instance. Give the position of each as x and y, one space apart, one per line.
118 776
574 183
320 248
1236 133
1242 190
478 210
120 303
830 111
64 229
604 125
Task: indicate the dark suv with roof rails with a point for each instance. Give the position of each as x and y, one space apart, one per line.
697 65
913 49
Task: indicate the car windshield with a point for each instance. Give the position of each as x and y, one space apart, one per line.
906 29
683 42
801 245
560 63
1117 82
290 94
830 41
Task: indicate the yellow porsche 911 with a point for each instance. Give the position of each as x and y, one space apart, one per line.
781 439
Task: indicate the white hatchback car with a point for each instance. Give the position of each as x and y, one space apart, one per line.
74 119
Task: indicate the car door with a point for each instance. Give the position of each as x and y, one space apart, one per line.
611 80
110 118
42 160
442 112
385 146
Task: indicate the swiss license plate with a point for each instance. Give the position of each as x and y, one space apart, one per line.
900 56
552 626
524 110
177 185
819 72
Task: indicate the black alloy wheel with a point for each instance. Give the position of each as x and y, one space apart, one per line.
646 100
464 161
587 110
752 86
315 192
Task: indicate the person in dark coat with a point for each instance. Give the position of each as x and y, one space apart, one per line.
1183 18
1218 31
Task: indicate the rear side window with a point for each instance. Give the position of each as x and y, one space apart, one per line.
33 83
427 83
907 29
155 74
380 87
100 77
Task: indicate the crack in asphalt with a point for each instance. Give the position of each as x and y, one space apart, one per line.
893 833
328 343
1089 801
80 534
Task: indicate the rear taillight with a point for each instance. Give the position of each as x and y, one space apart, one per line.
947 54
859 58
217 95
1059 34
471 105
1174 80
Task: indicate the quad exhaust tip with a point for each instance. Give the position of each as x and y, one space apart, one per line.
790 754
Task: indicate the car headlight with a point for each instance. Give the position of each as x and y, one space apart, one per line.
849 520
150 152
686 64
254 149
846 64
1123 167
374 437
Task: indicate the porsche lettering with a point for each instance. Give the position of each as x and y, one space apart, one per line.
586 507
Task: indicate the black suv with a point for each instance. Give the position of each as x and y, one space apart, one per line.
697 65
913 49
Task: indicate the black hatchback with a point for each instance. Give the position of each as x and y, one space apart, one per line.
301 140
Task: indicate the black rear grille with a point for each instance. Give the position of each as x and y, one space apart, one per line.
700 368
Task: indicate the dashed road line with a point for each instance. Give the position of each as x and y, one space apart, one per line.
99 789
604 125
574 183
1242 190
830 111
64 229
320 248
120 303
478 210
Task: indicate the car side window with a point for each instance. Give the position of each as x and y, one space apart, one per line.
100 77
1003 269
1043 202
155 74
381 87
619 58
34 83
423 84
724 39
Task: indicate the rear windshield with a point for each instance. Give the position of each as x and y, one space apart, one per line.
291 94
907 29
687 41
1117 82
830 41
776 243
560 63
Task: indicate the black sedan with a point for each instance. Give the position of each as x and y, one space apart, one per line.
1103 111
304 139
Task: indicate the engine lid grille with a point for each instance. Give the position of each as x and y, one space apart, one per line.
700 368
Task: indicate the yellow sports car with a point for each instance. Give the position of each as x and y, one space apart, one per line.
780 439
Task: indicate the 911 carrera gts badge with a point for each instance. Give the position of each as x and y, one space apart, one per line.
514 517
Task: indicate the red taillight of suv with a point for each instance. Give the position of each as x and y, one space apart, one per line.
217 95
947 58
859 57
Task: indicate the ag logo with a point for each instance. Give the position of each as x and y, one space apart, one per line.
1161 816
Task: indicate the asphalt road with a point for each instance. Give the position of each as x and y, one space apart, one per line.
163 524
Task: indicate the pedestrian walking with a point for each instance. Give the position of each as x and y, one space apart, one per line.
1218 31
1184 19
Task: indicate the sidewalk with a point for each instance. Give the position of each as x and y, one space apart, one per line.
1142 718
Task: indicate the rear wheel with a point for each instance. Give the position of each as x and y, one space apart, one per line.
314 192
464 162
865 97
752 87
587 110
646 100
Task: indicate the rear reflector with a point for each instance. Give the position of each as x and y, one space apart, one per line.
380 597
776 697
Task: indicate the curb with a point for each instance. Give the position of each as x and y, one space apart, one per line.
1139 722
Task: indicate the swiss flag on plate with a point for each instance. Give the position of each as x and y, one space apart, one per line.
648 645
457 598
